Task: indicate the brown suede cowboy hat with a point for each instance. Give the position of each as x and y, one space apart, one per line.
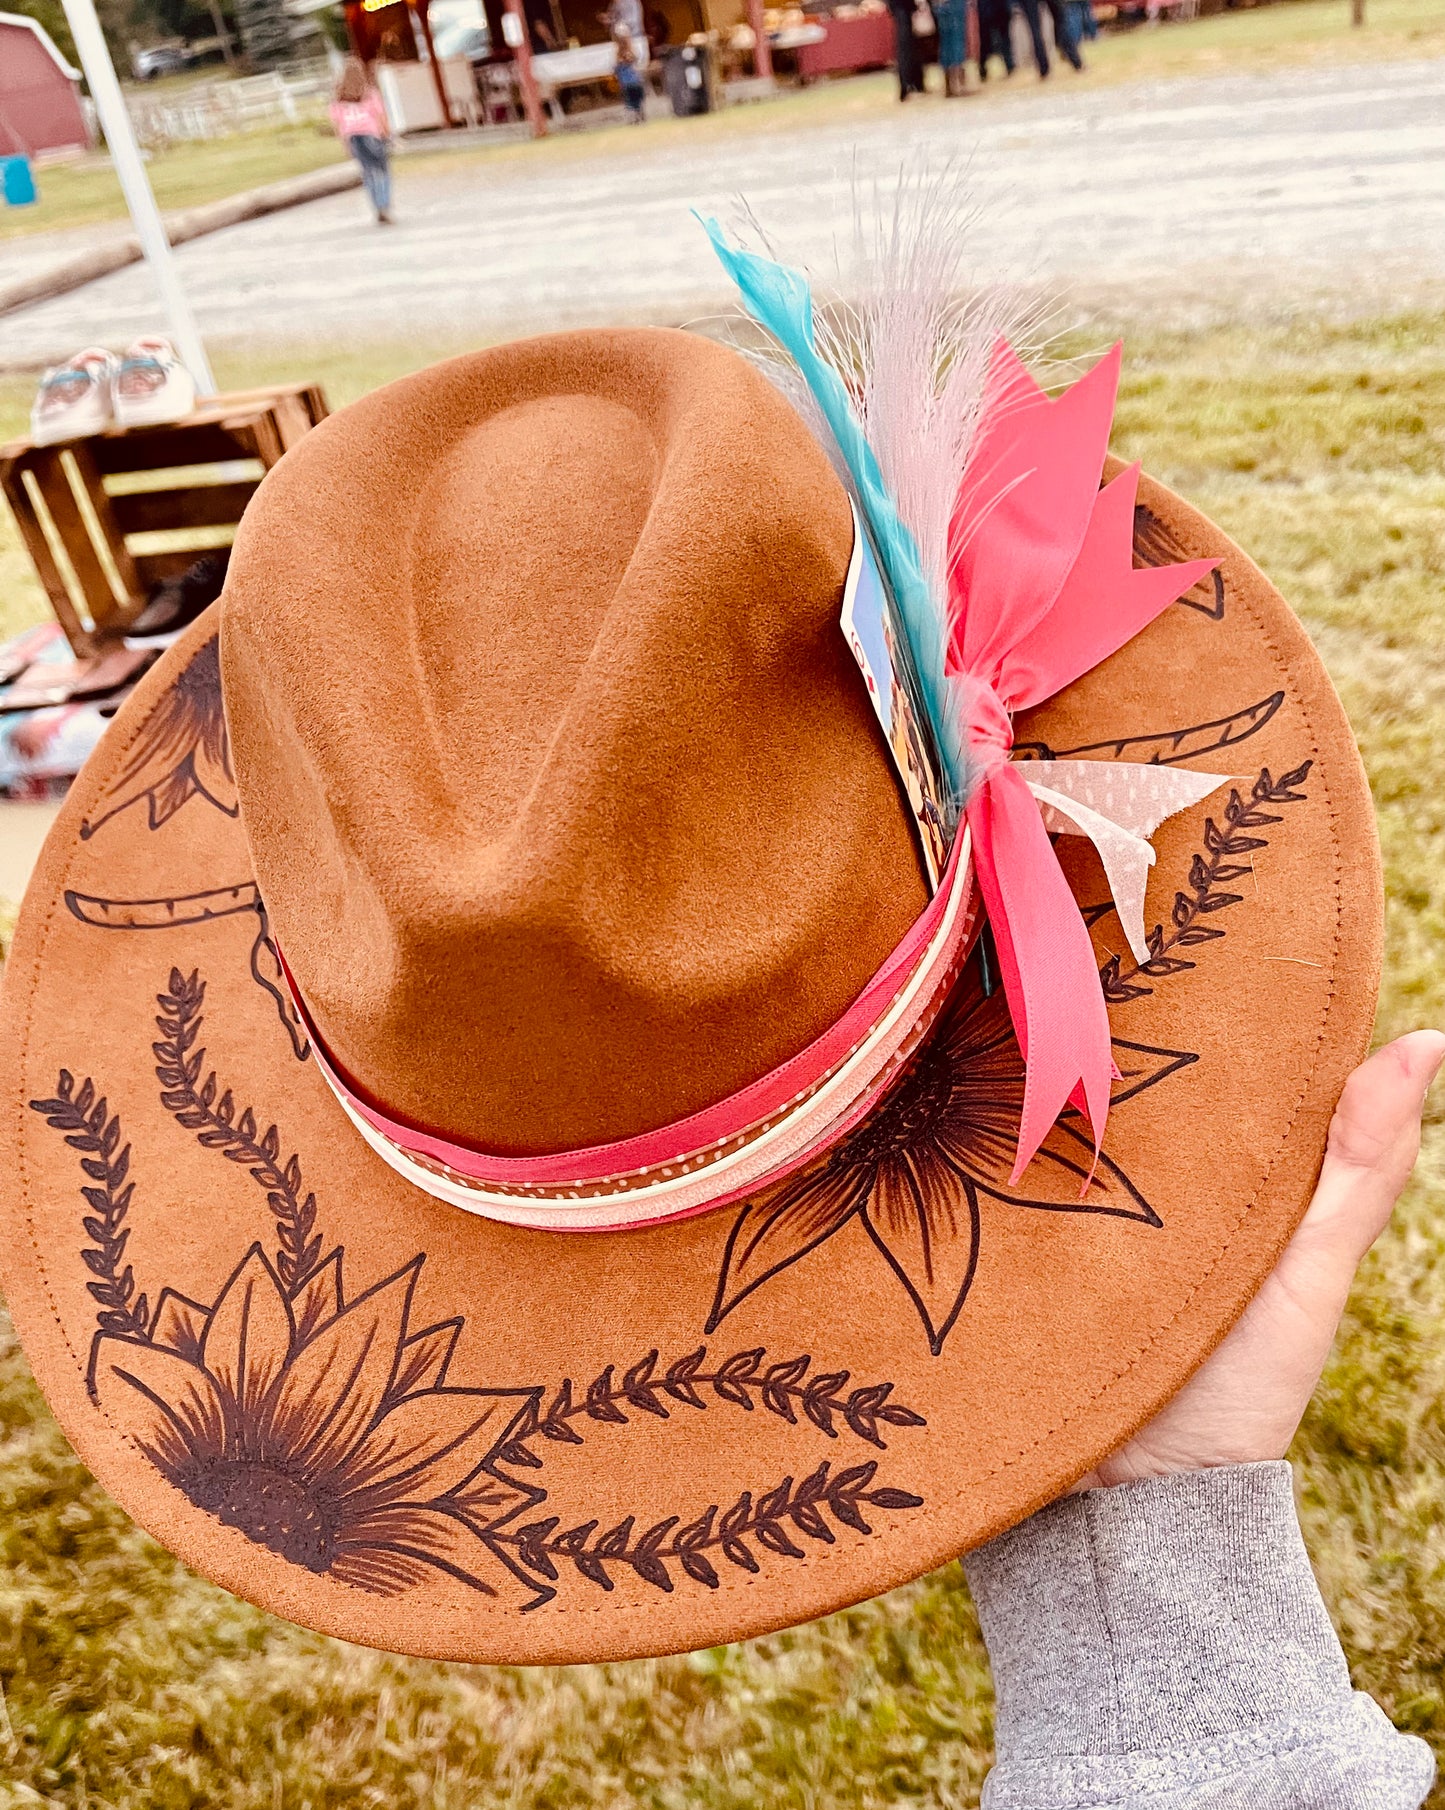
522 800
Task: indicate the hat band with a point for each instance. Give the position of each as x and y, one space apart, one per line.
757 1135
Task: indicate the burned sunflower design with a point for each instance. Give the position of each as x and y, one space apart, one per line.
319 1428
914 1172
182 751
322 1427
325 1428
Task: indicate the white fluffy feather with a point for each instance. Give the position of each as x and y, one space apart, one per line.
910 329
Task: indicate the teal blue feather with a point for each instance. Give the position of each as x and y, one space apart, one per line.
780 300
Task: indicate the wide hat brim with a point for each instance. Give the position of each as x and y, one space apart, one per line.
398 1423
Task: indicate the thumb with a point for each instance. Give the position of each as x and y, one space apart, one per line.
1246 1400
1373 1142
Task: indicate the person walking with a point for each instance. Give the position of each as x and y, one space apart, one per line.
358 115
629 77
905 45
625 16
1063 34
951 17
1033 18
994 37
1066 30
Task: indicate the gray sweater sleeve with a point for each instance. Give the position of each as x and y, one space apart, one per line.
1164 1645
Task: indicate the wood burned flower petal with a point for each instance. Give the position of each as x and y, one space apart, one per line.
924 1219
182 749
211 765
1142 1066
248 1339
784 1225
986 1070
319 1297
179 1324
489 1500
391 1550
1054 1181
335 1385
159 773
984 1152
424 1358
425 1446
167 1404
381 1570
976 1032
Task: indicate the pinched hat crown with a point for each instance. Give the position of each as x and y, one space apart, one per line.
565 800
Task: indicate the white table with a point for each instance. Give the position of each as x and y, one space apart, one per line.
579 64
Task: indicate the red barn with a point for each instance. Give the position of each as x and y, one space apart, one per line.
40 106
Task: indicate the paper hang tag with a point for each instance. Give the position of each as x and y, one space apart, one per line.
876 635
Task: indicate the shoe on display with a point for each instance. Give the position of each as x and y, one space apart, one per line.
176 602
47 683
75 399
152 385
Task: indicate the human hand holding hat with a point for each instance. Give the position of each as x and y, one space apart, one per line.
1245 1402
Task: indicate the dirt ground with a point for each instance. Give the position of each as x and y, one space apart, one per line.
1303 187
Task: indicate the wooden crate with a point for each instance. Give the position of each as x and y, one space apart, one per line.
83 505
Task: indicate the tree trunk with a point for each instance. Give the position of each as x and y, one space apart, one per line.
265 29
1357 12
222 31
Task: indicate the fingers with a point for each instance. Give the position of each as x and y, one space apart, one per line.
1245 1402
1373 1142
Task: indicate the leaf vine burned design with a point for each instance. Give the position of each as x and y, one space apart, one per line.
747 1381
324 1426
195 1106
1218 867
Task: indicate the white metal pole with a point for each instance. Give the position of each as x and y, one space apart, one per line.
135 185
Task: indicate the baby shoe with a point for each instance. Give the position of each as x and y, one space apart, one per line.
75 399
153 385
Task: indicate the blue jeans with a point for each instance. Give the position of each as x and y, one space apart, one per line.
634 89
375 160
1082 20
1063 33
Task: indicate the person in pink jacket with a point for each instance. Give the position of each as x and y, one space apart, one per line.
359 115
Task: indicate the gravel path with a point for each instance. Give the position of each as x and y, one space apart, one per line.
35 253
1270 190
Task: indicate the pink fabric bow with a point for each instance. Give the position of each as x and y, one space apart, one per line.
1042 587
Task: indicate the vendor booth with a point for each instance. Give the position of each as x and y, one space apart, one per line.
546 59
852 38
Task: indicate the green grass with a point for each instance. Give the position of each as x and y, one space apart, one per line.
1266 37
87 193
130 1683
